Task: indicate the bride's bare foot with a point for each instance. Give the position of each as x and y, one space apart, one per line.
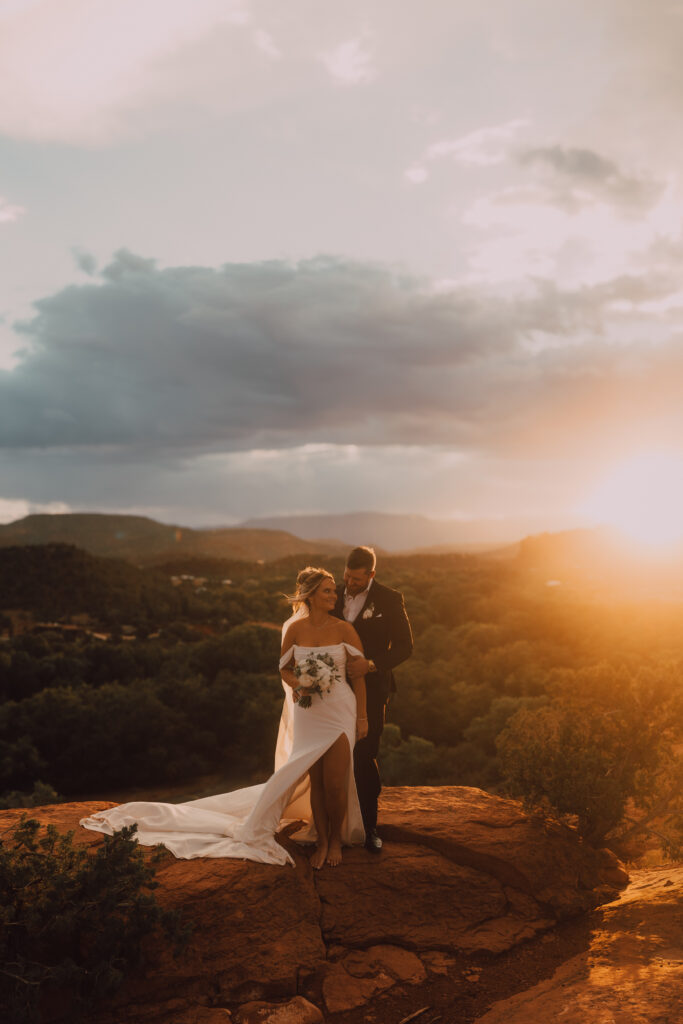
334 853
319 855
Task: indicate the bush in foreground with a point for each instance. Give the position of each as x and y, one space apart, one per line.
72 921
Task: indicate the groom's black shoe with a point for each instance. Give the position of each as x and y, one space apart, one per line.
373 843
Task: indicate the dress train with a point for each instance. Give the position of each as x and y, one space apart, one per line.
242 824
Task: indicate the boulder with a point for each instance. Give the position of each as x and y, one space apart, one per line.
362 974
632 972
461 872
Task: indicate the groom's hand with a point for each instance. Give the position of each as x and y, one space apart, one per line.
357 666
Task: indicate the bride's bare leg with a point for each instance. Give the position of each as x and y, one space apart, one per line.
335 771
320 818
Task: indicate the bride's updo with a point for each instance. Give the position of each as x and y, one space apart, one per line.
307 582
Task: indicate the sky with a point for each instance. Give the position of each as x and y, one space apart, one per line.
266 258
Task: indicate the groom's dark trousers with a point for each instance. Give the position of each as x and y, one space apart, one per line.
384 631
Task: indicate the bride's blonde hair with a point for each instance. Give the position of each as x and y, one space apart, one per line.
307 582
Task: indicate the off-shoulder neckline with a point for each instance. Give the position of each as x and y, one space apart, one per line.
322 647
319 647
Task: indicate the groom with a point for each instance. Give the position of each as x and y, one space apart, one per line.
379 617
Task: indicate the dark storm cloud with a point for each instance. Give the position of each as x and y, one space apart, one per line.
593 174
277 354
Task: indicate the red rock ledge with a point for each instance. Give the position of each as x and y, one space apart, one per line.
461 871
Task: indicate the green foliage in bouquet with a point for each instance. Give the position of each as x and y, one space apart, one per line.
72 921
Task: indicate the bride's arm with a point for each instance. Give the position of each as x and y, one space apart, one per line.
358 684
286 672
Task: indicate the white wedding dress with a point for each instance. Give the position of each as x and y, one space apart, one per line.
243 823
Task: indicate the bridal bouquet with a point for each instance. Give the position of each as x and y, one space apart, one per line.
317 673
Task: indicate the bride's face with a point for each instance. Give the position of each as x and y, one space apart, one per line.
325 597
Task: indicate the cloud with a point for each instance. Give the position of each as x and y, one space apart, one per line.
582 176
577 217
266 44
417 174
16 508
84 260
349 63
72 70
483 147
246 355
646 75
580 163
9 211
208 490
184 361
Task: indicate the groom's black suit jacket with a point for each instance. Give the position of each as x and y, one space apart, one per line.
384 631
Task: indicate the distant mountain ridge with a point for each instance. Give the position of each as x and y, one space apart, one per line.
147 542
394 532
597 553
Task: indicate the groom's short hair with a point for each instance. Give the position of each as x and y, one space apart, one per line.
361 558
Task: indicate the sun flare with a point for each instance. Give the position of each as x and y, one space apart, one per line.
643 498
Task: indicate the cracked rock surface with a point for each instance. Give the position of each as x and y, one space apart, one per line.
632 971
461 872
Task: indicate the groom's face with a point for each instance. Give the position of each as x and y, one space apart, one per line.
356 580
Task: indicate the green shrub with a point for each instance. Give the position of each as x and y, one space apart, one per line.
419 762
72 920
606 752
410 762
41 795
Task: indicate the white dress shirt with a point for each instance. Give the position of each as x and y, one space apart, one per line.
354 603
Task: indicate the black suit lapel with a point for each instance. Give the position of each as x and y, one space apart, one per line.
369 599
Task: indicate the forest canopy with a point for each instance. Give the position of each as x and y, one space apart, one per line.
122 678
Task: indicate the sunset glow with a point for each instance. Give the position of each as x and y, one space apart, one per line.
643 498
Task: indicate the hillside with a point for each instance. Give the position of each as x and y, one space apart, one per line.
146 542
571 549
605 561
59 580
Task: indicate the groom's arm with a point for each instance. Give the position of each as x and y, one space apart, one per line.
401 636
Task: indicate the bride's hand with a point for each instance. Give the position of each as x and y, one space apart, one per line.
361 728
356 666
302 691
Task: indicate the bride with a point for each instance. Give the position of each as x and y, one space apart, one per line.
313 781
